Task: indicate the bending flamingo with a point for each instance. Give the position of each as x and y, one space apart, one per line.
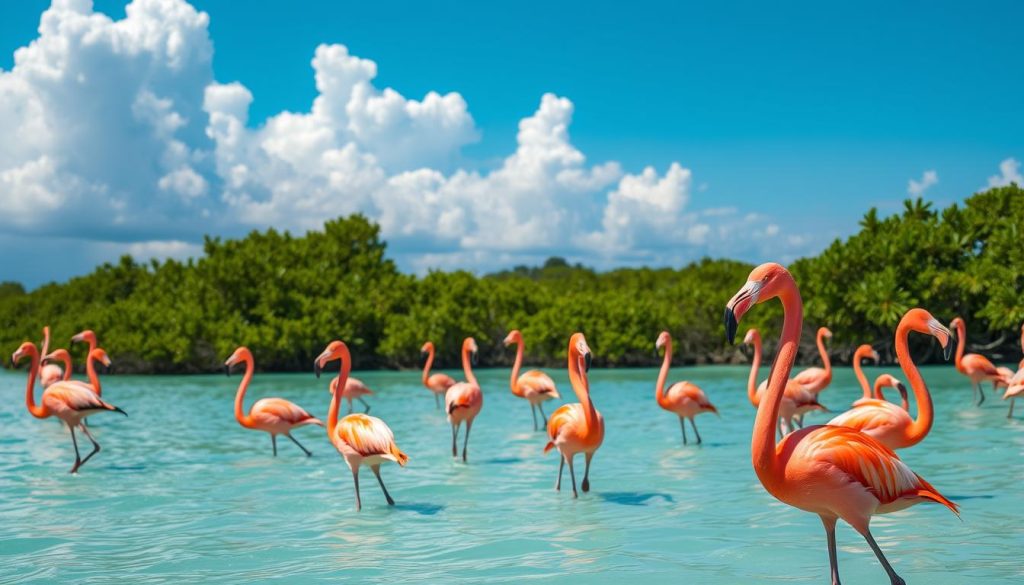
535 386
354 389
50 373
976 367
578 427
361 439
885 421
794 400
835 472
464 400
683 399
436 383
70 402
276 416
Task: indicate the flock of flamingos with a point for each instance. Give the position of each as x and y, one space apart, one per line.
845 469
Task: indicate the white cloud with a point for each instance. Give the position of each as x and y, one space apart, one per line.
1009 172
927 180
116 133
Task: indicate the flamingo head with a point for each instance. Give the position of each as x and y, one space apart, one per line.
751 336
513 336
663 338
958 324
99 354
579 349
335 350
26 349
87 336
765 282
825 332
469 345
427 347
892 382
242 354
922 321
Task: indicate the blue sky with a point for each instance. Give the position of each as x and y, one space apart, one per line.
804 114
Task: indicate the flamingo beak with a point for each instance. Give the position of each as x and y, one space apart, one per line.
947 351
587 359
472 357
731 324
317 368
902 390
227 370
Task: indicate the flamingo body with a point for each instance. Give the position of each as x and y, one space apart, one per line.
354 389
437 383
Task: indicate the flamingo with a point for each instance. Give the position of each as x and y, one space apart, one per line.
436 383
888 380
577 427
361 439
354 389
464 400
863 352
888 423
976 367
72 403
1015 385
795 398
684 399
276 416
535 386
90 368
816 379
835 472
50 373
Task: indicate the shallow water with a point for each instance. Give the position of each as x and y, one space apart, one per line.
181 492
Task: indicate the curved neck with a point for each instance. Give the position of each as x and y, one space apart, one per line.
240 414
513 381
467 367
961 343
344 369
754 367
580 385
30 399
762 446
825 361
858 371
65 358
659 391
90 369
923 423
429 364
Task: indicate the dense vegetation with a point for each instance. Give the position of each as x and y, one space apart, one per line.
286 296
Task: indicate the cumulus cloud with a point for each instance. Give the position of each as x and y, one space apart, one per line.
1009 172
917 188
115 132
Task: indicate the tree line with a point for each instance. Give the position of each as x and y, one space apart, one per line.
284 296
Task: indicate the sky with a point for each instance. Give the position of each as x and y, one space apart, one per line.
483 135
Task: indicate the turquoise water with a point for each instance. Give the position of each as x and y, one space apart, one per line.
181 492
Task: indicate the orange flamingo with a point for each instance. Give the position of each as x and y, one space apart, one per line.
50 373
354 389
835 472
436 383
683 399
535 386
71 403
276 416
888 423
976 367
578 427
1015 385
464 400
794 400
361 439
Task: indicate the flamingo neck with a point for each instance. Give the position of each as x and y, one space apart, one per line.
825 361
754 367
240 415
65 357
513 380
332 412
923 423
659 391
30 399
580 385
428 365
467 367
859 372
961 343
763 447
94 379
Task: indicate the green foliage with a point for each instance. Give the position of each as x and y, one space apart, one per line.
285 297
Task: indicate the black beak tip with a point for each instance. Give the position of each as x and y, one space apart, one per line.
587 360
227 370
316 369
948 350
730 325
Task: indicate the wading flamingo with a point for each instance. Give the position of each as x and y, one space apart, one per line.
354 389
436 383
50 373
464 400
863 352
70 402
834 472
1015 385
885 421
794 400
578 427
976 367
683 399
276 416
535 386
361 439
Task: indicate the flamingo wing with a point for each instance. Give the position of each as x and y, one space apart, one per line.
979 363
368 436
76 396
440 382
810 377
872 416
537 382
274 410
461 395
690 391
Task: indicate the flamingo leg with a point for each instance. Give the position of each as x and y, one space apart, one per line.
572 476
465 440
364 404
586 472
979 393
95 445
455 435
693 424
533 411
437 401
350 406
387 496
558 482
78 458
682 425
543 417
299 445
1010 413
355 479
273 441
893 577
833 560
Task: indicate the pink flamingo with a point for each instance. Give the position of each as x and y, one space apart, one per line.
71 403
816 379
535 386
578 427
976 367
361 439
354 389
90 368
50 373
683 399
464 400
276 416
794 400
436 383
834 472
1015 385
